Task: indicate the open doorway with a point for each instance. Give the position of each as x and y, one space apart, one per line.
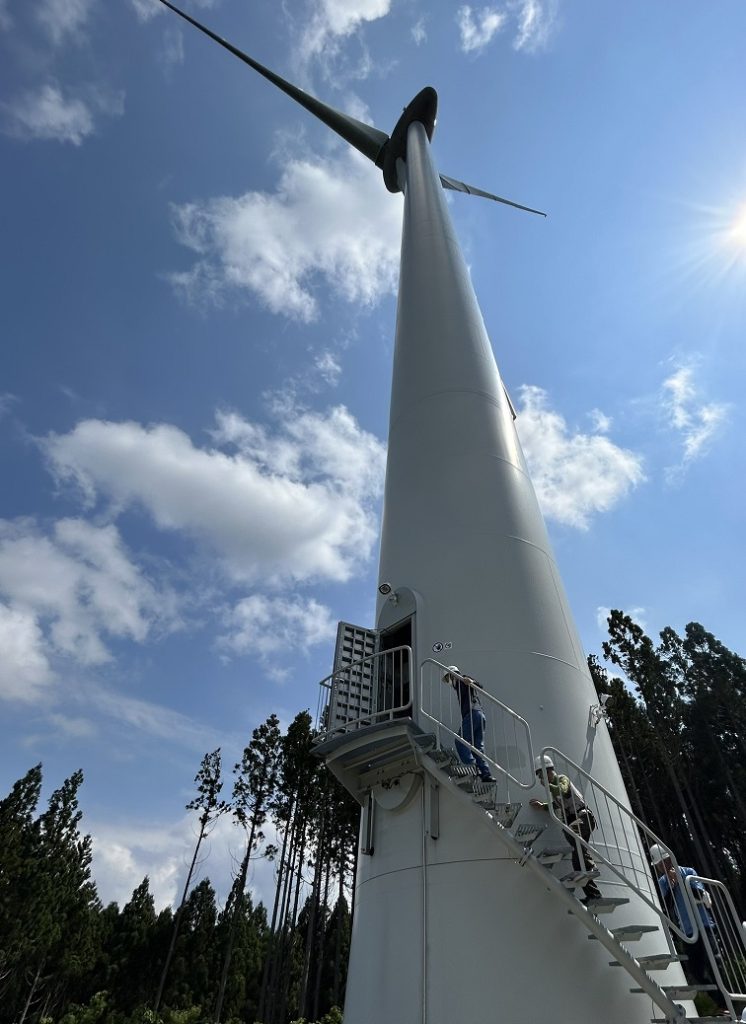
395 669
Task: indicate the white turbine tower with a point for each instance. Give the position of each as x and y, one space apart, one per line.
461 913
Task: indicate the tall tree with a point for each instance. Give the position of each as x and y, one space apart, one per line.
253 789
209 805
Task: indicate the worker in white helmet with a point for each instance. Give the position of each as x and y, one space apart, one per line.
473 721
671 882
571 808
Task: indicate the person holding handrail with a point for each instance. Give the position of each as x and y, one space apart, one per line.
473 720
671 882
571 808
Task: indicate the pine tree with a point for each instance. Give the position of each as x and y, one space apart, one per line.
253 790
210 807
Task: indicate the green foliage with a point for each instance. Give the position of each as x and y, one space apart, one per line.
65 959
680 738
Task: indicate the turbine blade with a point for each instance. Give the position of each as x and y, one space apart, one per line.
369 141
461 186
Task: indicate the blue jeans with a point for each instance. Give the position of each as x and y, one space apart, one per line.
472 730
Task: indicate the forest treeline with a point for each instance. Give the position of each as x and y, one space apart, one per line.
679 734
67 959
678 725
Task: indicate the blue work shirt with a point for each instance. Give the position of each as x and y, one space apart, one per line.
467 695
680 899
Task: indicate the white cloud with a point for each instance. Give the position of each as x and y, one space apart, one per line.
63 18
477 28
72 727
637 614
695 420
25 673
173 46
45 113
269 627
576 475
328 368
290 504
601 422
64 594
419 32
332 221
333 20
124 853
146 716
536 19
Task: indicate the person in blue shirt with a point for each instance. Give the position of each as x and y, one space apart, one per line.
473 720
671 882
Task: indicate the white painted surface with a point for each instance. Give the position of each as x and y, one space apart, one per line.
464 543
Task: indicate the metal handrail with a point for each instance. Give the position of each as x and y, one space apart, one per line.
621 841
507 736
373 689
724 938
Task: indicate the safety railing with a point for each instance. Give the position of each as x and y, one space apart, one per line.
374 689
505 737
619 840
723 936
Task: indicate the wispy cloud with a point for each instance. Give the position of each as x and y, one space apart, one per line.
173 47
292 502
536 22
270 628
147 9
576 475
419 31
477 28
696 421
328 221
64 20
333 21
46 113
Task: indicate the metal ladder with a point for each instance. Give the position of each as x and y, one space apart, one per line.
445 768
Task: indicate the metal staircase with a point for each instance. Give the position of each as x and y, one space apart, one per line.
446 769
364 756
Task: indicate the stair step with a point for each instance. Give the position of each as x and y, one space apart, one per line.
605 905
576 879
505 814
443 757
652 962
459 771
426 743
682 991
528 834
694 1020
630 932
553 856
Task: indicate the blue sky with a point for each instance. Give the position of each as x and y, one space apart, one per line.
198 303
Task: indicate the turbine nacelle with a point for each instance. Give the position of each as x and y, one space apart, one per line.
423 108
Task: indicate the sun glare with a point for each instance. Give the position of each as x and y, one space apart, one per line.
736 234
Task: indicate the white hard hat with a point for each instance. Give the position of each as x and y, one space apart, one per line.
543 761
657 854
447 675
454 668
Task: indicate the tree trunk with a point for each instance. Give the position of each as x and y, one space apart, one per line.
237 911
177 924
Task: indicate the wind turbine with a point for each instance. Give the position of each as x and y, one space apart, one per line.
456 918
